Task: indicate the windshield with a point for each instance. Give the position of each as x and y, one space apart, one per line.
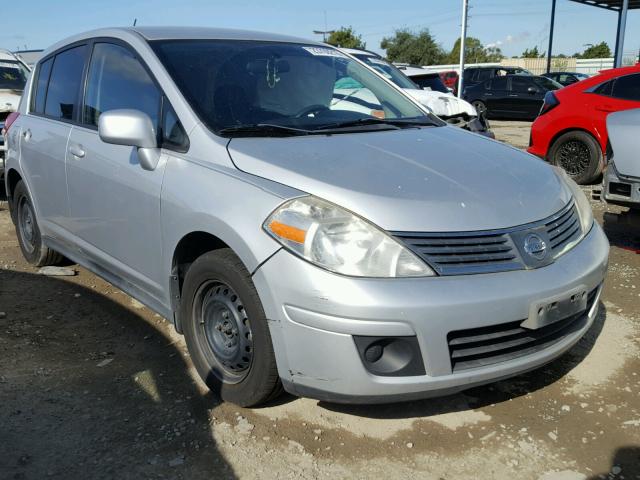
13 75
547 83
387 70
430 82
233 84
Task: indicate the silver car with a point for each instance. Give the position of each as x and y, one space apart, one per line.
301 238
621 180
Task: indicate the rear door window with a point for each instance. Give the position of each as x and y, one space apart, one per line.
64 85
118 80
499 83
40 91
627 88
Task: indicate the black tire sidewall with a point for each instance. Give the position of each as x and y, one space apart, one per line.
222 265
19 194
484 110
593 170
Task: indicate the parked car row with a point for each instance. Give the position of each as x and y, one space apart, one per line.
428 89
351 251
571 129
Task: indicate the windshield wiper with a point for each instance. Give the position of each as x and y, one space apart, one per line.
262 130
395 123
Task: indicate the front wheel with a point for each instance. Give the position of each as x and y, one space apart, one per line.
480 107
579 155
226 330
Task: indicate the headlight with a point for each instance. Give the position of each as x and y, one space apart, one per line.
333 238
582 202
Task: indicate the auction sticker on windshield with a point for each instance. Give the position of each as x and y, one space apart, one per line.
324 52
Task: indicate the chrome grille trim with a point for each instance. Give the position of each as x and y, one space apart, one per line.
492 251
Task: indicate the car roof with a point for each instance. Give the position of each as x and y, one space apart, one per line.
181 33
7 55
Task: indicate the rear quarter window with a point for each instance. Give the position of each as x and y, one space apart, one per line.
40 86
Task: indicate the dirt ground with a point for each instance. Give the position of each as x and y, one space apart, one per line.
94 385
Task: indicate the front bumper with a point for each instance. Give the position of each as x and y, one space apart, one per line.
620 190
314 316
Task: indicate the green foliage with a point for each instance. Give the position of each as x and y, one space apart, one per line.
415 48
474 52
346 37
533 53
599 50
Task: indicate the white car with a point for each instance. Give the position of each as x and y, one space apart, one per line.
13 77
434 95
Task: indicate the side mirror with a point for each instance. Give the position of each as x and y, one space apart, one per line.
131 128
532 90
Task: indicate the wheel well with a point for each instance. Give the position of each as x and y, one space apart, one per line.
13 177
567 130
190 247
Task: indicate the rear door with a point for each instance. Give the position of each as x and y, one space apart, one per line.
45 133
622 93
525 97
497 96
114 203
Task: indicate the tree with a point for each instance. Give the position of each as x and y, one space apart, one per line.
346 37
533 53
474 52
415 48
600 50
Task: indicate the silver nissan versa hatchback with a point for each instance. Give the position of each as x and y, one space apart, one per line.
304 223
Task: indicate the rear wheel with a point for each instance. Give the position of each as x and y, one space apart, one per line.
226 330
28 232
579 154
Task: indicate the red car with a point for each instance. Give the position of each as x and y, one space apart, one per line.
571 130
449 78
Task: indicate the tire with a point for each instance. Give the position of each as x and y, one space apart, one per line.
28 232
579 154
480 107
226 330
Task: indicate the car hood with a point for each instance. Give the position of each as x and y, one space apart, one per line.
9 100
442 104
433 179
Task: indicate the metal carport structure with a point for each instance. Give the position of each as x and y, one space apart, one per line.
620 6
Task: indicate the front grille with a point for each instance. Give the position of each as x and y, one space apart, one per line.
479 347
563 228
463 253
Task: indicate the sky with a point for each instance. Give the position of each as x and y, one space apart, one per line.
513 25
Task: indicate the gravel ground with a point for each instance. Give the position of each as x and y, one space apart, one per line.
94 385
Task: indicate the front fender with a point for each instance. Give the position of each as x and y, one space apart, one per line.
222 201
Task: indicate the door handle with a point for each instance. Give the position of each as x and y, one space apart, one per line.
76 151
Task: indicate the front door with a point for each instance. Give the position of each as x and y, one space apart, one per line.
114 204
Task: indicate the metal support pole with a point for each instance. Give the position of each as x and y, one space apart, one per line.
622 24
553 20
463 36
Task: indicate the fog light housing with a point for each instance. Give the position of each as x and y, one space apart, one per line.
390 356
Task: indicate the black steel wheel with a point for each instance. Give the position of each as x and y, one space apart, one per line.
27 230
226 330
578 154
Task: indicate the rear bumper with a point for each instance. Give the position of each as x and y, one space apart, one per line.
314 316
620 190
